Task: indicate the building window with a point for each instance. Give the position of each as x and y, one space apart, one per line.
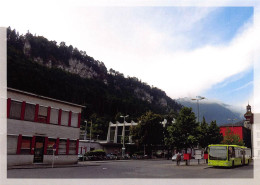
62 146
65 118
74 119
51 143
12 144
42 114
54 116
26 145
15 111
112 134
72 147
29 112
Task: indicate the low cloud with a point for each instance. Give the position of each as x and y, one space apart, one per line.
136 45
192 72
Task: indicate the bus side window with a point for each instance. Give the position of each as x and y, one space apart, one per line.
233 152
229 152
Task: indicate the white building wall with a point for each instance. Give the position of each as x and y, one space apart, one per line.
60 159
13 160
256 136
28 128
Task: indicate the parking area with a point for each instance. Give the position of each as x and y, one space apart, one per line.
135 169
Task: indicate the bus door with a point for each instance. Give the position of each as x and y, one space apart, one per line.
231 153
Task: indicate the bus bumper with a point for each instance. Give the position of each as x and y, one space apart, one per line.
219 163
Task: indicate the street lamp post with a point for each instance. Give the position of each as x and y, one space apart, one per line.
90 131
164 123
123 149
198 98
86 131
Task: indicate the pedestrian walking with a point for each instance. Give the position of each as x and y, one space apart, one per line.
178 159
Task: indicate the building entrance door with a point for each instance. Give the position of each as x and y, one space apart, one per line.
38 150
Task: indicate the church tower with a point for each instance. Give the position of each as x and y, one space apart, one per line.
249 117
249 124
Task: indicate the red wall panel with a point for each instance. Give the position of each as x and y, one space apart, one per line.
36 112
59 118
70 113
33 145
8 107
19 144
67 146
48 115
77 146
235 130
23 110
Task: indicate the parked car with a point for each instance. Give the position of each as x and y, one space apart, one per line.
82 157
96 155
175 156
111 156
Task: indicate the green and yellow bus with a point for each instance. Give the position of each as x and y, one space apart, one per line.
228 155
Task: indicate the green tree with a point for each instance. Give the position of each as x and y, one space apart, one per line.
184 133
149 131
231 138
214 135
204 133
98 127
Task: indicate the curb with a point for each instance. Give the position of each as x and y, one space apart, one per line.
48 166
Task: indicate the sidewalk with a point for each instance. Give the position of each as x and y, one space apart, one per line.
192 162
32 166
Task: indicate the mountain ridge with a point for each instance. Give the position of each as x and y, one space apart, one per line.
212 111
40 66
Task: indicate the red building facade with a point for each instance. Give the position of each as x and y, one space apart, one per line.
242 132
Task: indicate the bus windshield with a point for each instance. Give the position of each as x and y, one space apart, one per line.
218 153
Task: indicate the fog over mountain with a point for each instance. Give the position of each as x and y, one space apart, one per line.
212 111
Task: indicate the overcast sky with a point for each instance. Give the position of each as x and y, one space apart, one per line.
184 50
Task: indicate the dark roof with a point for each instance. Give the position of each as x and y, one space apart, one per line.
43 97
238 124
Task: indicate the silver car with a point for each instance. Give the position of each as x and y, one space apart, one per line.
175 156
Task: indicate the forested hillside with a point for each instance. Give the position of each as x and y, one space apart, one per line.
40 66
